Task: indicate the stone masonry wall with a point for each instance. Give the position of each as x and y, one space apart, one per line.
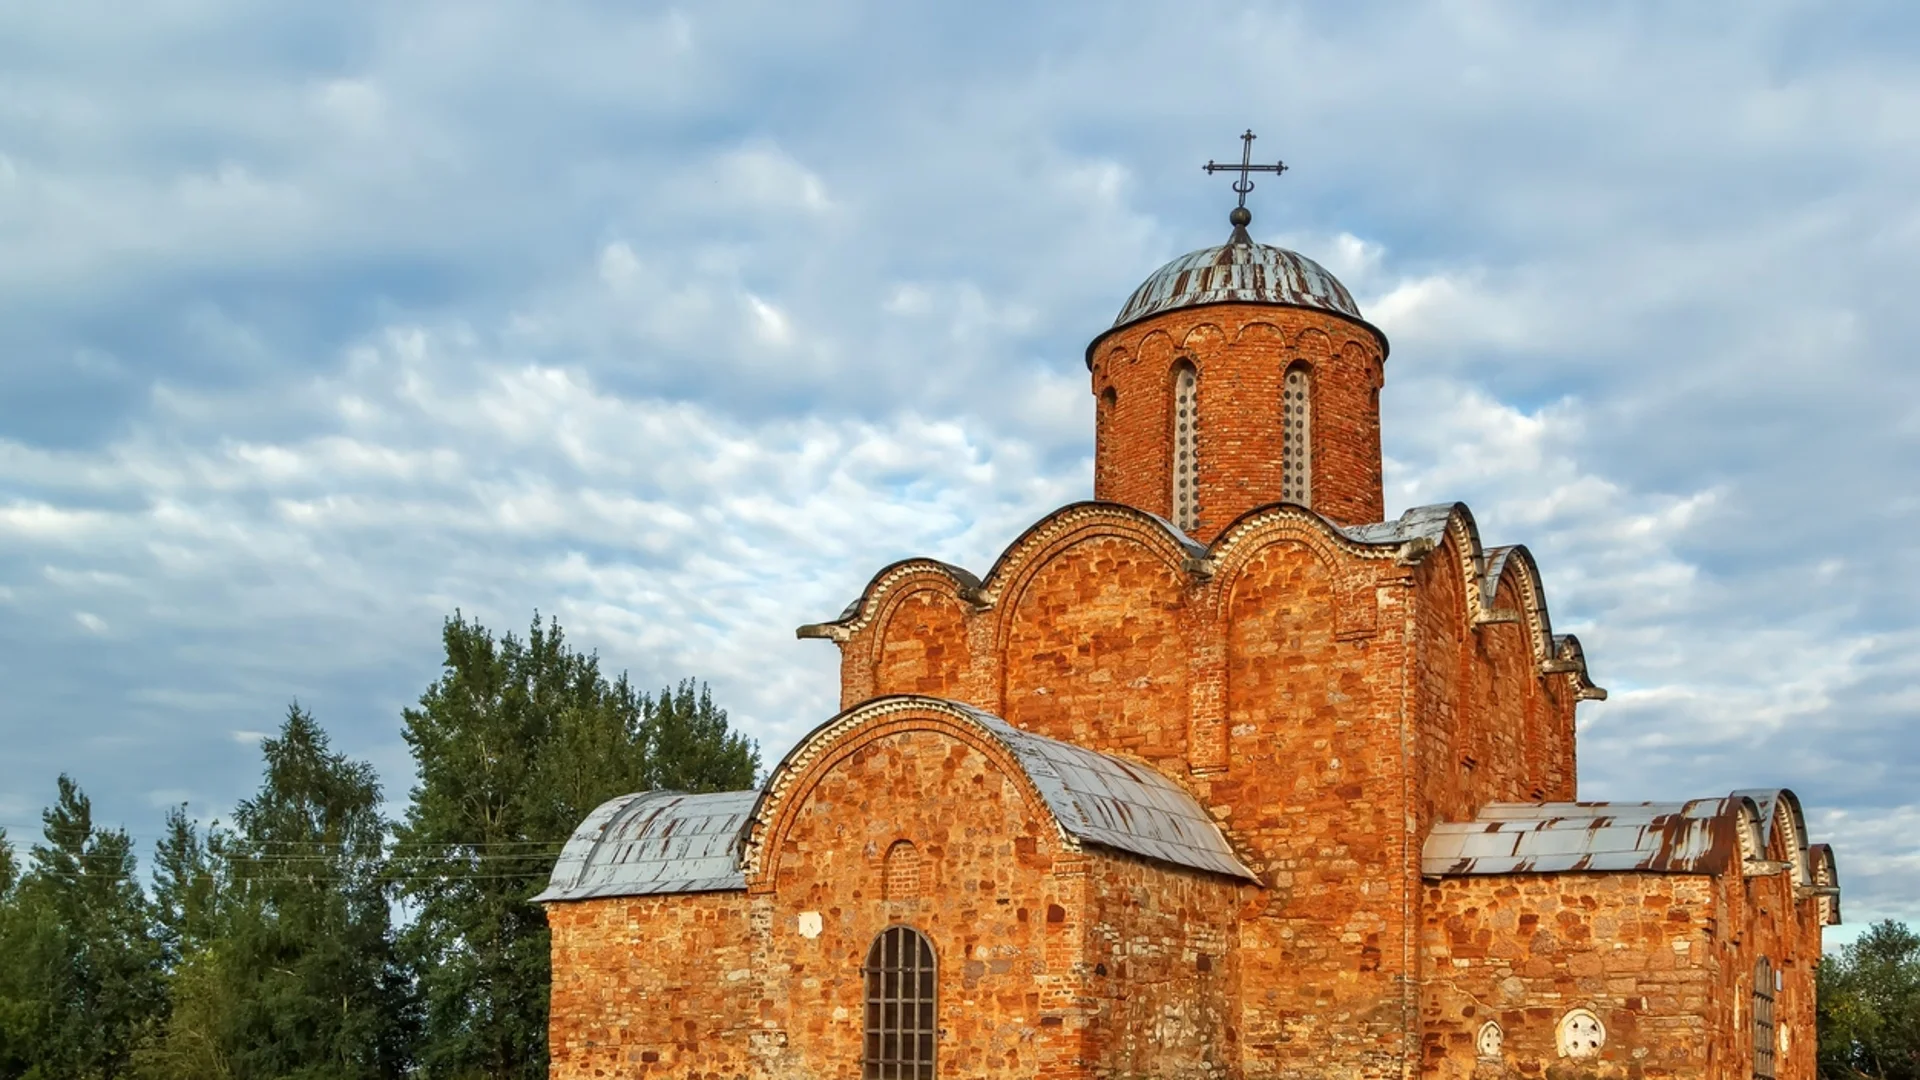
1755 917
1491 727
1241 353
654 986
1523 950
1161 970
1096 652
998 898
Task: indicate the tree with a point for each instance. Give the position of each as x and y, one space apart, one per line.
1869 1002
80 976
689 747
514 744
186 889
285 963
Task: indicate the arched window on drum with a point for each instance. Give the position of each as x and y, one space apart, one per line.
1186 447
1296 436
901 1024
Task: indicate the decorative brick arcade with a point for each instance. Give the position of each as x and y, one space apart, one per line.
1220 776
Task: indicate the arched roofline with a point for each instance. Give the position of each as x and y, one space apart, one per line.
864 607
1172 826
824 746
1779 810
1826 882
1411 538
1066 522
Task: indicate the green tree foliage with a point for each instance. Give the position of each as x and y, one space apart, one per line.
81 977
285 965
514 744
1870 1007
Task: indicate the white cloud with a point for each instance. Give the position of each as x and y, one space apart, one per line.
677 324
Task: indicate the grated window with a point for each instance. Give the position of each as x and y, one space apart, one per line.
900 1006
1186 443
1763 987
1296 437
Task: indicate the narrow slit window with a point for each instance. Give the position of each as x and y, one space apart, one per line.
1763 987
901 1026
1186 443
1296 437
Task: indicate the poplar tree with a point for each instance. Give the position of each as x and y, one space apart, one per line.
514 744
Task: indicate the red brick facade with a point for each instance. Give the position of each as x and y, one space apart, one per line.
1326 694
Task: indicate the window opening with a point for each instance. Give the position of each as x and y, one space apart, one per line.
1186 442
900 1006
1763 987
1296 437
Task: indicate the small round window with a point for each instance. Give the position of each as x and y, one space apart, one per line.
1581 1034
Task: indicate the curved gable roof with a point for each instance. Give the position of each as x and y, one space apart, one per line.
669 842
654 842
1093 797
1705 836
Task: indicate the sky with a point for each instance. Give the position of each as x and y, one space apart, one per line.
322 321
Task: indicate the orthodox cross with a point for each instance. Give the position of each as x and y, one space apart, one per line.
1241 215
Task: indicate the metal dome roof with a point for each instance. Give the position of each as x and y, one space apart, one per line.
1239 271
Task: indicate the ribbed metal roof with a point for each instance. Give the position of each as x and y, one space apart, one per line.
654 842
1699 837
1243 271
667 842
1116 803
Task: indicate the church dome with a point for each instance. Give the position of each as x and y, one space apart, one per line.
1239 271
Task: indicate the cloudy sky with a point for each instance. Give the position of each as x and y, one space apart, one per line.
319 321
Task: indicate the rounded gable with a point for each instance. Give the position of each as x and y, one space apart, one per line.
1092 798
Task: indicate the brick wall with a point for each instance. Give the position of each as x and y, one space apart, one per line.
652 986
1161 971
1241 352
1523 950
1053 962
1322 701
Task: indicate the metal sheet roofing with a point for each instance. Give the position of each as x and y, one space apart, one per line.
1116 803
1704 836
654 842
1238 270
667 842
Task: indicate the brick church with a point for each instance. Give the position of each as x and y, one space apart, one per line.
1220 775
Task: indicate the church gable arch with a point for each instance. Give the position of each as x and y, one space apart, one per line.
919 640
914 731
1094 640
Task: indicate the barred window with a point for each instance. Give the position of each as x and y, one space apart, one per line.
1186 443
900 1006
1296 437
1763 988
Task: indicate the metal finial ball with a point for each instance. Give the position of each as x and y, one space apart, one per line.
1240 217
